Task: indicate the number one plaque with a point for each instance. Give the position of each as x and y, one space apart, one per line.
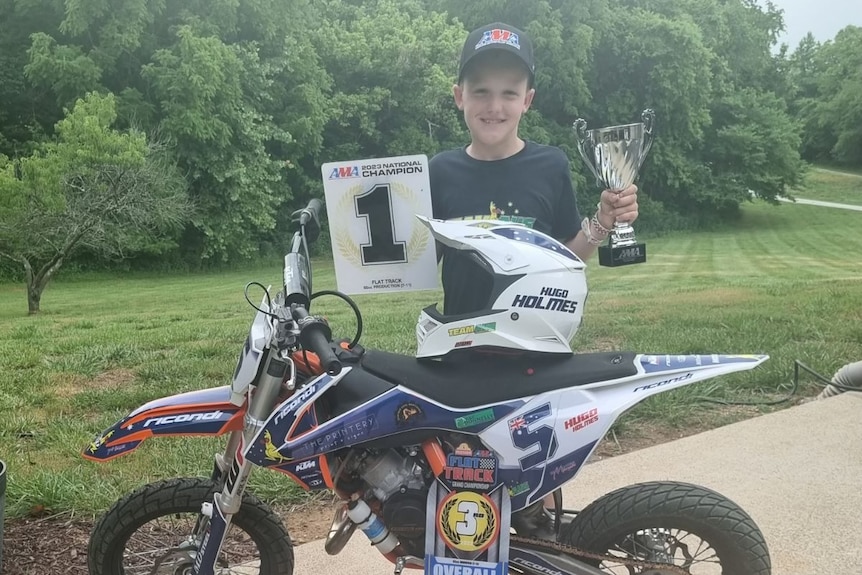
378 245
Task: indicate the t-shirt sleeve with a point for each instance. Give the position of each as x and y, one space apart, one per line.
567 219
435 179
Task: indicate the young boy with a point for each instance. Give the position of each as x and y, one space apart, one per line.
499 175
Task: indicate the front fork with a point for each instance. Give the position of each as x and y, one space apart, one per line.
215 518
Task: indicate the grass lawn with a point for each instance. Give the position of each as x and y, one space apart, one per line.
831 186
781 282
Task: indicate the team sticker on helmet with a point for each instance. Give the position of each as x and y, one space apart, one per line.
478 328
468 521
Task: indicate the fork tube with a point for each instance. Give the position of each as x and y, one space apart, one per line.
228 501
224 459
222 462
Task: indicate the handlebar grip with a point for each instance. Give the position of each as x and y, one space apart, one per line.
310 213
314 335
314 206
317 342
309 219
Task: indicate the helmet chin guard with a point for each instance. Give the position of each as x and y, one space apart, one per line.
539 307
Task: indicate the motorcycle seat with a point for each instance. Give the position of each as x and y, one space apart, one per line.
482 380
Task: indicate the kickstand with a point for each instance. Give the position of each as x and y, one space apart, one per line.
558 512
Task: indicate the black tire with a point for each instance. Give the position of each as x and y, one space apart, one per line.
150 513
619 522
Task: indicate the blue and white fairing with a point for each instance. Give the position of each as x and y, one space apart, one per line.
540 442
395 411
544 444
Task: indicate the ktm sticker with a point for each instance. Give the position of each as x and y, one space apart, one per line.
468 521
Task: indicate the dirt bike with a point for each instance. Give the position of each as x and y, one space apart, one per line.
445 465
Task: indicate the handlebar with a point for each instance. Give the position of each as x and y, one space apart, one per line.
308 219
311 212
297 273
314 335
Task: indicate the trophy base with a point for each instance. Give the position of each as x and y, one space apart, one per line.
622 255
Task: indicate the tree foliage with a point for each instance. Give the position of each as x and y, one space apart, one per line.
827 79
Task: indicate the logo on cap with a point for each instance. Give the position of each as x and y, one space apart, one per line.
499 36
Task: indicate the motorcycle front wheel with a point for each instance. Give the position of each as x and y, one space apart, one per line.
148 531
668 522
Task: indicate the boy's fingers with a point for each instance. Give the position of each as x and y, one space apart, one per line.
622 201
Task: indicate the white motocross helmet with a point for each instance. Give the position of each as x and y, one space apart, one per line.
537 300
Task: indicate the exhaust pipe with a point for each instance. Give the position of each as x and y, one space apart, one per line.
340 532
847 378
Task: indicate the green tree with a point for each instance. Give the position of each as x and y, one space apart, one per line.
253 96
92 187
235 87
753 147
707 69
202 90
27 113
833 117
392 64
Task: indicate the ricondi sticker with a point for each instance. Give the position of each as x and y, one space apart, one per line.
678 379
183 418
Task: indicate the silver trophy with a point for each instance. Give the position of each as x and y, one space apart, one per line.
614 155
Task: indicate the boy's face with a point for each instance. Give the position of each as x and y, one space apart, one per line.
493 99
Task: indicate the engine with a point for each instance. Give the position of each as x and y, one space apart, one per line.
400 484
395 482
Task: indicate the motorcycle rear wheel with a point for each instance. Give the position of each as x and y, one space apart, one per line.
670 522
147 531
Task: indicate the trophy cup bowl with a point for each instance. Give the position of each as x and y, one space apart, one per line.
614 155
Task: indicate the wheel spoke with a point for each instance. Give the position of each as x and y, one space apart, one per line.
660 545
158 540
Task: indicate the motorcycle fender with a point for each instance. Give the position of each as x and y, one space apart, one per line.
203 412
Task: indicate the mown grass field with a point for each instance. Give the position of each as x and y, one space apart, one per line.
782 281
831 186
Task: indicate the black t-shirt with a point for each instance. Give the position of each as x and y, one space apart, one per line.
533 187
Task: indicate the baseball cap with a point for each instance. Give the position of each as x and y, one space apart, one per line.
497 36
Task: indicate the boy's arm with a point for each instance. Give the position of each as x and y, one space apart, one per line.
581 246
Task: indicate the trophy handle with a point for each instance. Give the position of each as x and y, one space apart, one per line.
648 119
581 136
580 127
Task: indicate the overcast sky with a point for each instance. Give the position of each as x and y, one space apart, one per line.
823 18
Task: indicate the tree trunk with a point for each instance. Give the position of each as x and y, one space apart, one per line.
36 282
34 293
34 296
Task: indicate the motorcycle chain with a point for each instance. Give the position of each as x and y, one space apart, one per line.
664 568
